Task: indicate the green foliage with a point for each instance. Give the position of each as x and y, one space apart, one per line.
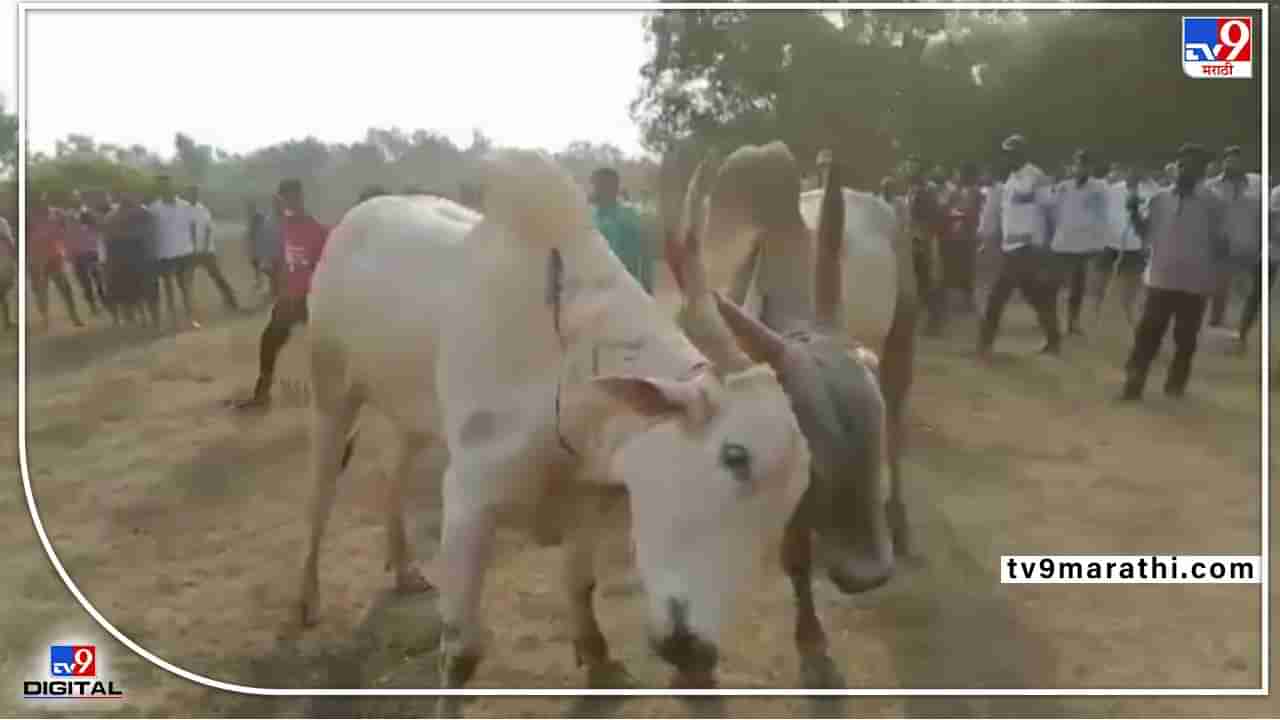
59 178
8 140
194 160
582 158
333 174
875 85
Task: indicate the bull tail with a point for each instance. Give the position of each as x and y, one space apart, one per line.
349 449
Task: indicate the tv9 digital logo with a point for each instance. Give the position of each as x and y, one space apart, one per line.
73 673
1217 47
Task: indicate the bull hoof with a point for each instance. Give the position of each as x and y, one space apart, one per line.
901 533
707 706
307 614
448 706
411 580
819 672
609 675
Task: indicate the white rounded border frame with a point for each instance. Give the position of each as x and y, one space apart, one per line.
24 7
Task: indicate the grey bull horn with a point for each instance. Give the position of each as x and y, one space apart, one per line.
828 281
759 342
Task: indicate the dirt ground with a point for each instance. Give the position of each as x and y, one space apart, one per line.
183 524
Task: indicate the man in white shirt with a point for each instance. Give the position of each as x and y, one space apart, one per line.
1243 194
206 253
175 246
1016 218
1080 219
1249 315
8 267
1124 258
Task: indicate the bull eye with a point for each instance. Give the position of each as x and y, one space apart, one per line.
737 459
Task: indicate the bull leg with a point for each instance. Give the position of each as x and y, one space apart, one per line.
817 670
590 648
330 425
466 552
707 706
896 373
408 578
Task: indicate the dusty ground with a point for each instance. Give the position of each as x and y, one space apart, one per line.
183 525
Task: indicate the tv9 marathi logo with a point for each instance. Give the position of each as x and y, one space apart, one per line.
74 669
1217 47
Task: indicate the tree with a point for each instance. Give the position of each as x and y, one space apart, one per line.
8 140
193 159
875 85
61 176
581 158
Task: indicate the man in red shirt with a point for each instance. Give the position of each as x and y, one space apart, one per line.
46 255
303 238
960 240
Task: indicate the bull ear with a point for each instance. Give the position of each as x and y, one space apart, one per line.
828 280
651 397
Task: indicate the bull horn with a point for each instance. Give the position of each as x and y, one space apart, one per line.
828 279
699 319
673 251
754 337
692 264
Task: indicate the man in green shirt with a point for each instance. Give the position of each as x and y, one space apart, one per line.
621 226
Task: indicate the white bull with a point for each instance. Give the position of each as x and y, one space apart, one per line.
872 272
487 334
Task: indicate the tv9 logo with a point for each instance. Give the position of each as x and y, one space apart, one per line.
73 660
1217 47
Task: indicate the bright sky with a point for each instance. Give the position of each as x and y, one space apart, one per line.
9 57
244 80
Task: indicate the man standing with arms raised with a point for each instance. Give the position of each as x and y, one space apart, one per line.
1020 227
1185 229
175 247
304 238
